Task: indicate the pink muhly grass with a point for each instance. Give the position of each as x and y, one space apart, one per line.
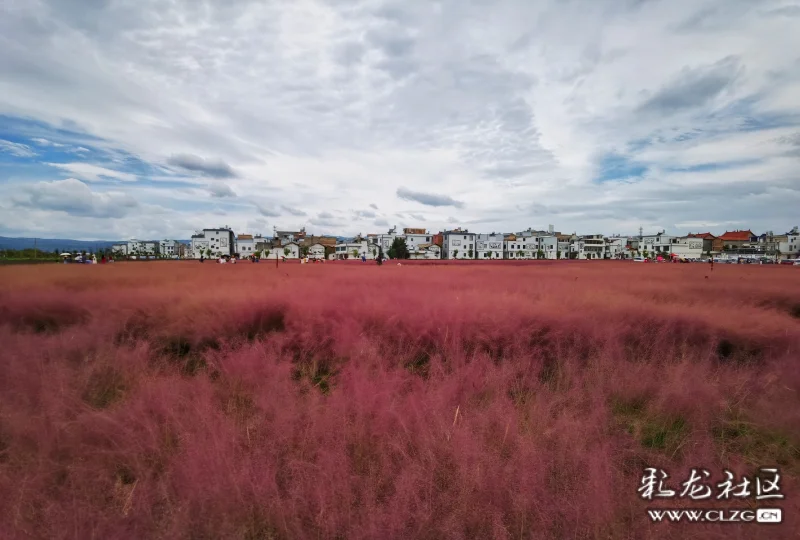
502 399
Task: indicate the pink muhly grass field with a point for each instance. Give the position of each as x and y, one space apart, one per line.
348 401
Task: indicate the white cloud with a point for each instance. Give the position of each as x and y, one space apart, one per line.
71 196
93 173
506 109
16 149
44 142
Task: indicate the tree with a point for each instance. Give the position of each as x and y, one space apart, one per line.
374 252
266 253
399 249
469 253
257 254
520 254
286 251
304 251
540 254
455 254
208 252
355 253
558 254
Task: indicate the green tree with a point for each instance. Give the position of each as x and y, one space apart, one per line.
520 254
304 251
455 254
469 253
355 253
374 252
257 254
399 249
208 252
286 251
266 253
540 254
558 254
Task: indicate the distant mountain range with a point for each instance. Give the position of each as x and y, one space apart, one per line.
53 244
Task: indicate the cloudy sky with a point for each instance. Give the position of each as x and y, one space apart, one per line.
153 118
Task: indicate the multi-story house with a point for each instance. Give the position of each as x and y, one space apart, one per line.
688 247
427 252
712 245
592 246
520 247
284 237
248 244
458 244
171 249
489 246
617 247
737 240
653 245
416 238
548 246
356 249
219 242
789 245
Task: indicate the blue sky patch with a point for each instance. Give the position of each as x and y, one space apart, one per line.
618 167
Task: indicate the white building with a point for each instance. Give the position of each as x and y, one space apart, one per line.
316 251
355 250
219 241
616 247
427 252
790 247
458 244
656 244
592 246
290 251
248 244
383 241
687 247
521 247
415 238
286 237
489 246
169 249
548 245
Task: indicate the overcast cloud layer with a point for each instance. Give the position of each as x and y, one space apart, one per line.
153 118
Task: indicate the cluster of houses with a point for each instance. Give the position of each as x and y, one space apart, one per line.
462 244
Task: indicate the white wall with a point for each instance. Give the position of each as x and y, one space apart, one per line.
458 241
489 246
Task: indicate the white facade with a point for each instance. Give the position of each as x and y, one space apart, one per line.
616 247
592 246
219 241
489 246
656 244
564 249
458 245
549 246
687 247
522 247
427 252
355 250
413 241
316 251
246 245
290 251
169 248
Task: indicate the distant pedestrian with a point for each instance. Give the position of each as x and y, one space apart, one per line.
712 264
